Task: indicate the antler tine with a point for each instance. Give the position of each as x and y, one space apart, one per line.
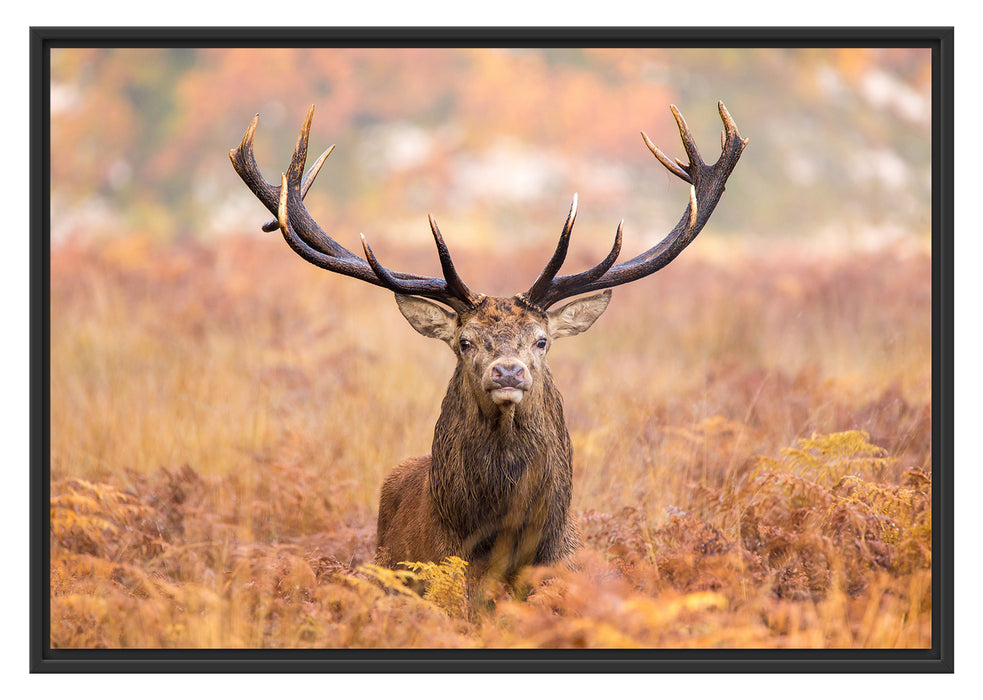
603 266
689 144
545 279
671 166
569 285
454 282
706 186
729 134
381 272
305 187
729 126
304 224
300 150
693 210
244 161
433 288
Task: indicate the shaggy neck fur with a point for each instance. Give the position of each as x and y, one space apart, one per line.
502 472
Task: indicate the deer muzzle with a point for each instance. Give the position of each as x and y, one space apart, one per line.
507 380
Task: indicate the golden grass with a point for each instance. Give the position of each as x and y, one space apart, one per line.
752 444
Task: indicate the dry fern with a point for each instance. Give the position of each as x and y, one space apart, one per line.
100 519
446 583
817 519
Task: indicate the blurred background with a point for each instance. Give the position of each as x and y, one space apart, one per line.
172 312
494 142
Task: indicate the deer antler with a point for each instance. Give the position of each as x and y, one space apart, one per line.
314 245
706 186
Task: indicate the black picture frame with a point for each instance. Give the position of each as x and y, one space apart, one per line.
938 659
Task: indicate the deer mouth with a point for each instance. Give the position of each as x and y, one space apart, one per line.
506 395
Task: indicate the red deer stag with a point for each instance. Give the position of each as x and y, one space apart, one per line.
496 488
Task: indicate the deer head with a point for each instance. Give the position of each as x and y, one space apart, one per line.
501 344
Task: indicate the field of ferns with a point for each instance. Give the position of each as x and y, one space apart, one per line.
751 431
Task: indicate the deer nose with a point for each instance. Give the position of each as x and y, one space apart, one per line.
508 376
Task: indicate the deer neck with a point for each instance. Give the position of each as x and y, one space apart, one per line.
496 456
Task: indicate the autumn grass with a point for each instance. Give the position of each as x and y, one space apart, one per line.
752 439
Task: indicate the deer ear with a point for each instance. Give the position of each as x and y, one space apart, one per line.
428 318
577 316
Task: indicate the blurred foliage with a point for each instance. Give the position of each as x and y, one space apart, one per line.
496 140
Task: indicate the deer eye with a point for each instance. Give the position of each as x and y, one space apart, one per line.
541 343
465 344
